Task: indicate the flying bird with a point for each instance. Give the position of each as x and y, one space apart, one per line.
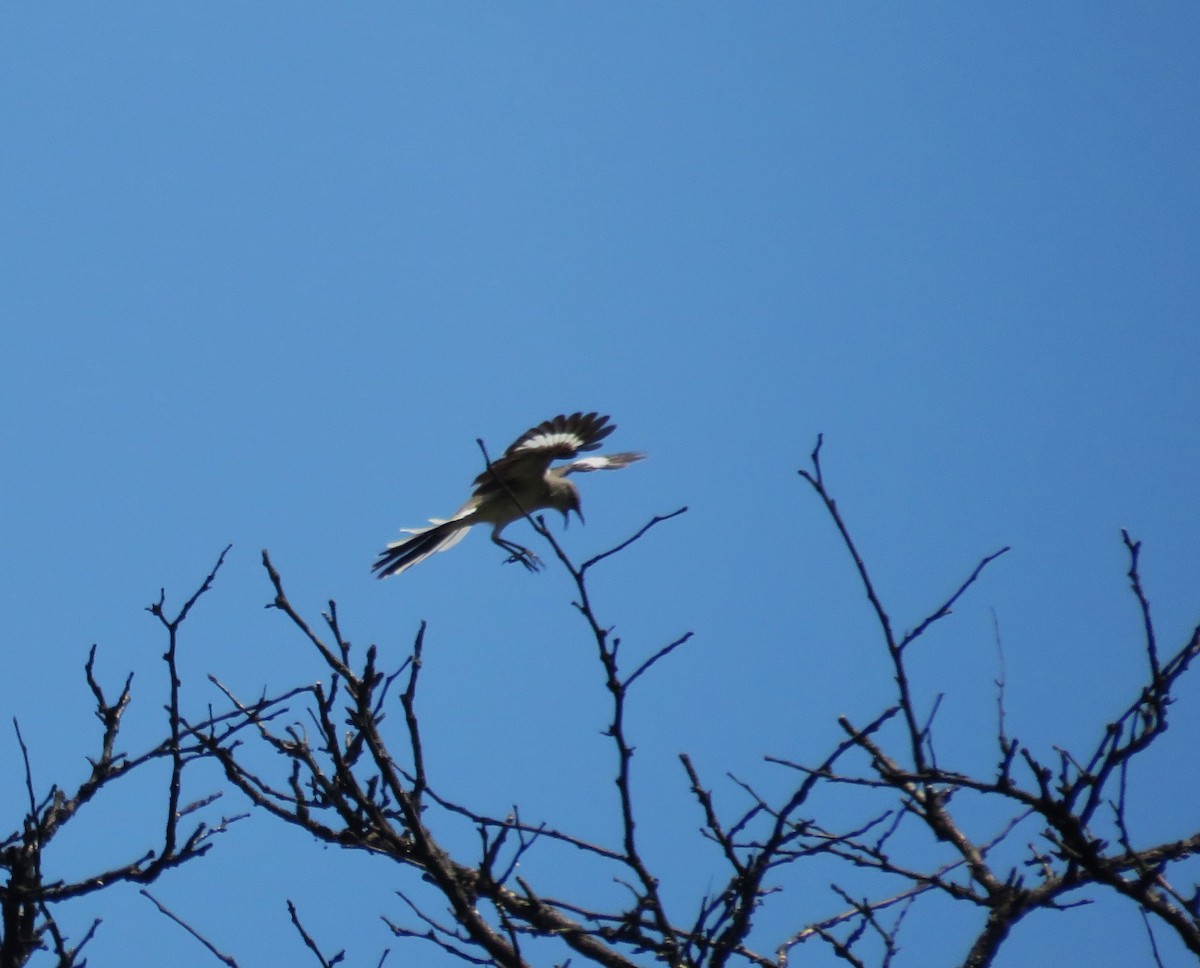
517 483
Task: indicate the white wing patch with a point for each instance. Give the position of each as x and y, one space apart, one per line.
550 442
591 464
601 462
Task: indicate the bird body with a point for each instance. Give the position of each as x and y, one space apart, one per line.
520 482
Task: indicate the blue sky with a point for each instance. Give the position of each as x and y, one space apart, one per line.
267 271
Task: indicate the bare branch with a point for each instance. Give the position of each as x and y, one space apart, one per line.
212 949
310 944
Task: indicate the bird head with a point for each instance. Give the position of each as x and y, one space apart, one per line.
571 503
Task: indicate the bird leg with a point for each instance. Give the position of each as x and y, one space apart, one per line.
518 553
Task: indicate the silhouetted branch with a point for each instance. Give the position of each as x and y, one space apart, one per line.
907 818
310 943
28 898
212 949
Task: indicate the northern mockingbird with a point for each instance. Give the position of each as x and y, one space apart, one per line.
517 483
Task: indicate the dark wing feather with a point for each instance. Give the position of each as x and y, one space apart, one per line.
531 454
579 431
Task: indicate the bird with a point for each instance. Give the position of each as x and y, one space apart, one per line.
518 483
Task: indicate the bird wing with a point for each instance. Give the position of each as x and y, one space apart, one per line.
601 462
529 456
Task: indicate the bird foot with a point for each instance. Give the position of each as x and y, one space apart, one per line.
526 557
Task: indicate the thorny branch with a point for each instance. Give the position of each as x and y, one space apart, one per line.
1074 853
904 818
345 786
28 900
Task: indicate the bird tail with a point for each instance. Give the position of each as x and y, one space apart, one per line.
403 554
